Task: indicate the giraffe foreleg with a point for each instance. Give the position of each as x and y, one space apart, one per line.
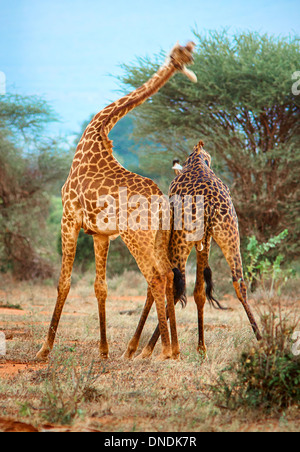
69 241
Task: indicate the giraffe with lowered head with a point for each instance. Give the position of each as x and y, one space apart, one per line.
94 174
196 178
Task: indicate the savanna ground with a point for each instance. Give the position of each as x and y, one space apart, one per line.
76 391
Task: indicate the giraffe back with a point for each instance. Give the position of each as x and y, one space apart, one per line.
198 179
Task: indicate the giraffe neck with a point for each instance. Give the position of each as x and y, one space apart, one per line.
104 121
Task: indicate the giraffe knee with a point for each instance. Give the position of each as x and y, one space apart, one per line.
100 288
157 281
199 294
200 298
64 286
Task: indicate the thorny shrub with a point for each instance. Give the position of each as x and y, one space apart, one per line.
266 375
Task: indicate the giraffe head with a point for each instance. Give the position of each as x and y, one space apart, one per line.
180 57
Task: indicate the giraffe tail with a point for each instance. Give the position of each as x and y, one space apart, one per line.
179 287
210 288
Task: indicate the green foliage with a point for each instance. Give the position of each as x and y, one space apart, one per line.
243 108
31 168
119 258
66 387
125 148
55 213
262 269
267 376
24 117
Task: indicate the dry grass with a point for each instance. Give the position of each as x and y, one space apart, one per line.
77 388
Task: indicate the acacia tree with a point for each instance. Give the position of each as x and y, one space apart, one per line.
31 167
244 109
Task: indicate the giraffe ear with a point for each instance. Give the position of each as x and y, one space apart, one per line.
177 166
168 59
190 74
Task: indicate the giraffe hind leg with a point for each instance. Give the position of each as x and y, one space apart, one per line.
178 288
158 286
171 289
241 292
134 342
179 264
101 246
230 246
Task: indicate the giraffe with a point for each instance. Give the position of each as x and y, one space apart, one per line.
94 174
196 178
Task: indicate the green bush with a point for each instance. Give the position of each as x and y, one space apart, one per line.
119 258
264 265
67 386
266 376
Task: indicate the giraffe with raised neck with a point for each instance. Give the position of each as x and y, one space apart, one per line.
196 178
96 173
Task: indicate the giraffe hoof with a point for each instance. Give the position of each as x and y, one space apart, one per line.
43 354
143 356
146 353
131 349
128 355
139 357
163 357
202 351
176 355
165 354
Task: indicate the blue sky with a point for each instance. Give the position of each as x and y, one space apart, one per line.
68 51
